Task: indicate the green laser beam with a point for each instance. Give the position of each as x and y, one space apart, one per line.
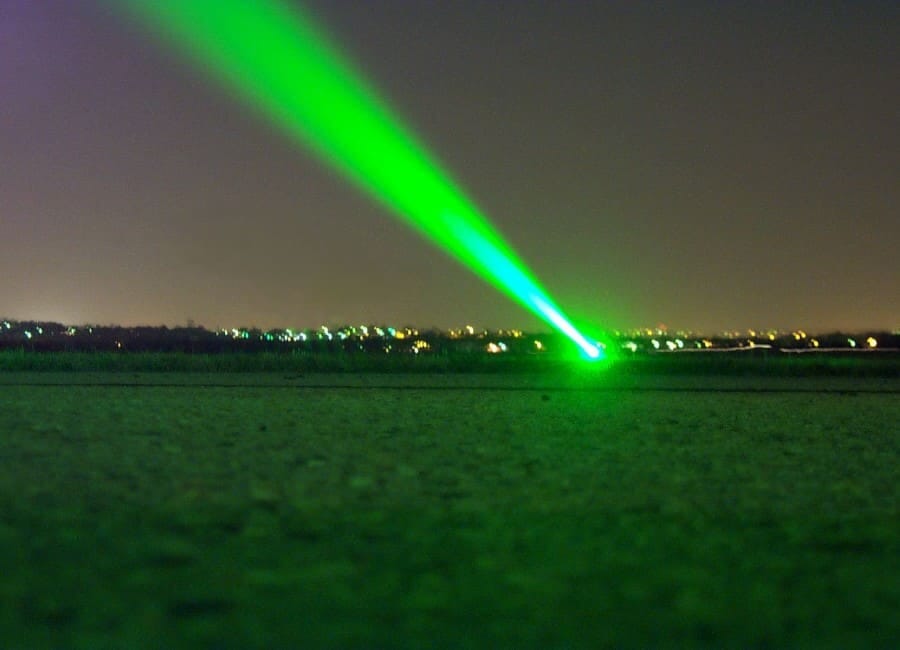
276 57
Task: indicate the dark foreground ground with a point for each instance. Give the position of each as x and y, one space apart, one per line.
448 511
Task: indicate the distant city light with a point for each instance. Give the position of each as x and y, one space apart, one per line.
365 338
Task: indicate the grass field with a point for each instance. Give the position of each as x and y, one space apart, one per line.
457 511
871 364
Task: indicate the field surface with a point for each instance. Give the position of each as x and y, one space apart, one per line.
457 511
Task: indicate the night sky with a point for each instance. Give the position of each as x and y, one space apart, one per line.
708 166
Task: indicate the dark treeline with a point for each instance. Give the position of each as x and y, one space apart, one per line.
34 336
53 346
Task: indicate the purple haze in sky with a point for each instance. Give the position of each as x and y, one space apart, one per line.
700 164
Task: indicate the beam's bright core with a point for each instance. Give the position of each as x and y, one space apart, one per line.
274 56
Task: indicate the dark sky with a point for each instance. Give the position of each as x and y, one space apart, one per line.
705 165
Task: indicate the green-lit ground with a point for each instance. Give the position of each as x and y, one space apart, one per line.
158 510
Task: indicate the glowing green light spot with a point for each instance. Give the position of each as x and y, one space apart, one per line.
275 57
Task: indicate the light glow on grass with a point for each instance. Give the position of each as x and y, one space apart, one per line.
274 56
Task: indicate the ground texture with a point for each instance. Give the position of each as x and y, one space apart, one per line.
447 511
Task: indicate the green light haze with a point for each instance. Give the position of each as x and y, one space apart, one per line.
276 58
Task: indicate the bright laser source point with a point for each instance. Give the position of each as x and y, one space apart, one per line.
275 57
